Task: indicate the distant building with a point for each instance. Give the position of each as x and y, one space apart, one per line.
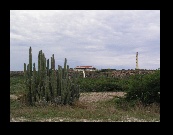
84 68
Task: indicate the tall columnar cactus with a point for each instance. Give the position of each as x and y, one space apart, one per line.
53 62
48 67
48 84
29 83
34 83
25 72
65 69
30 61
59 83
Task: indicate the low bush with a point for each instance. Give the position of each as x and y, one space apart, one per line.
101 84
17 85
145 88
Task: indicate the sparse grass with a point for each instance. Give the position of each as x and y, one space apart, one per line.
112 109
103 111
138 110
17 85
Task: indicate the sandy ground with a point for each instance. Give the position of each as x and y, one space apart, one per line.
99 96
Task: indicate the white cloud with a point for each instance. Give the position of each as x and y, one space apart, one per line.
100 38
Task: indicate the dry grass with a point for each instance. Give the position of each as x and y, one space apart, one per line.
91 107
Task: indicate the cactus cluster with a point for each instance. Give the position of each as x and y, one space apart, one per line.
49 84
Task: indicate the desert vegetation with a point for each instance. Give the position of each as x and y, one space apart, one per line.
53 95
48 84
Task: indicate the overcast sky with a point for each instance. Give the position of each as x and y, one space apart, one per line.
99 38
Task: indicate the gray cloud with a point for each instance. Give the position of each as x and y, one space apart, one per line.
104 39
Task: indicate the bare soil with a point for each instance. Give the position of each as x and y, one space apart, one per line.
99 96
14 97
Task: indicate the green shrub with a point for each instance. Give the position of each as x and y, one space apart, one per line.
17 85
122 103
144 88
101 84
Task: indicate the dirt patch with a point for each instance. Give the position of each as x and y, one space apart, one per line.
14 97
89 96
99 96
19 97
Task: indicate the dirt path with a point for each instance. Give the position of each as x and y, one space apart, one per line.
99 96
